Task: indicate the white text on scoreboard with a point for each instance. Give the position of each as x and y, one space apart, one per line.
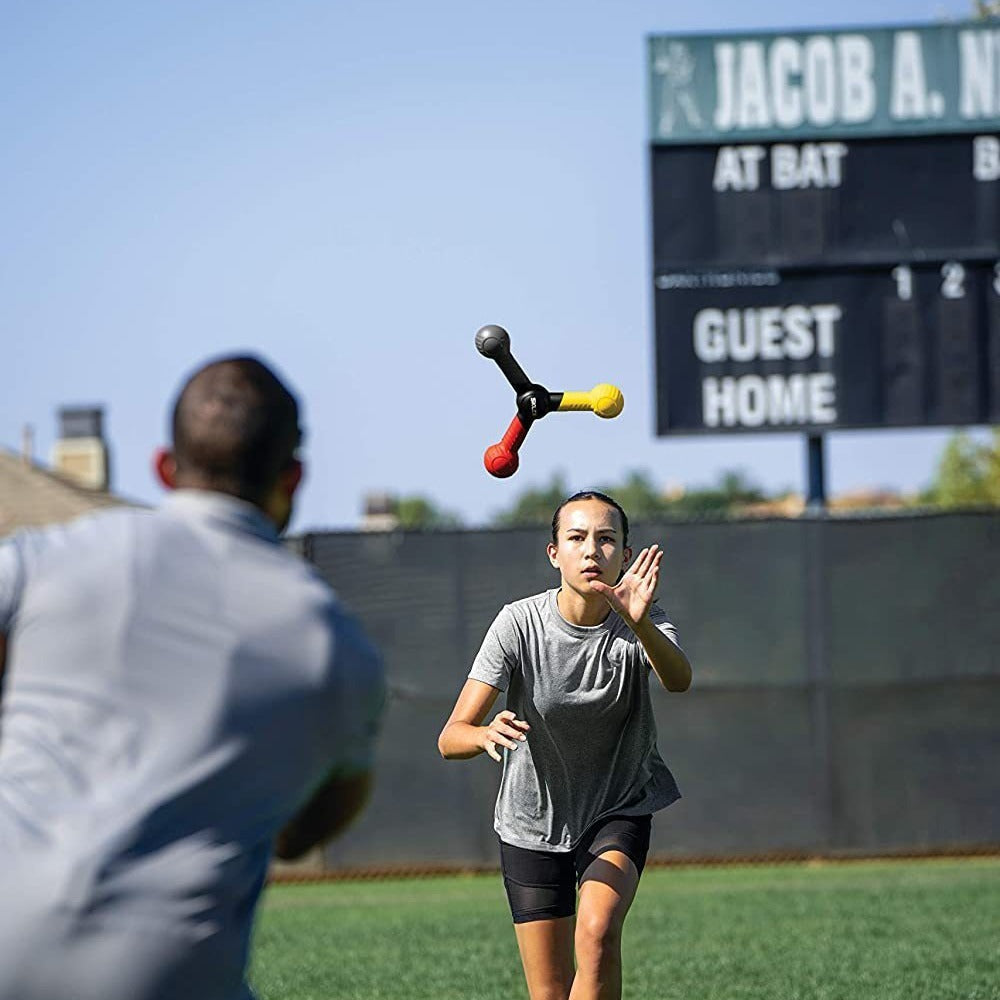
773 333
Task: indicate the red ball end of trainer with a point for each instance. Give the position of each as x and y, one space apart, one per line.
500 461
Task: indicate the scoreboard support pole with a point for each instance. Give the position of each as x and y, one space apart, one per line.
817 644
816 472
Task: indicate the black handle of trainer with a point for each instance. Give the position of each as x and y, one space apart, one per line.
494 342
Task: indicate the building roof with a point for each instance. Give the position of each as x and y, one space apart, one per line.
31 496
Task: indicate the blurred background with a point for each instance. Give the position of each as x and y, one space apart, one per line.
351 191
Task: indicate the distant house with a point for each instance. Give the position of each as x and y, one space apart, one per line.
31 496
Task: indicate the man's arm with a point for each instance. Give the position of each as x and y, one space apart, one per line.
358 690
327 813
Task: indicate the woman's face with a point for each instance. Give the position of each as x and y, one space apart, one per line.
589 545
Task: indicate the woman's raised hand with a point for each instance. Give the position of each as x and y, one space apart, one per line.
633 595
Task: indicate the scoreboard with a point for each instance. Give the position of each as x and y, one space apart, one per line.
826 229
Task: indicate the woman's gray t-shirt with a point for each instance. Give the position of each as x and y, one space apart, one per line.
591 751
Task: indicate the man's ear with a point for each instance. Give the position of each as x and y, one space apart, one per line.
165 467
291 478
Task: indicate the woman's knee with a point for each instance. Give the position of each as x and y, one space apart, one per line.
598 937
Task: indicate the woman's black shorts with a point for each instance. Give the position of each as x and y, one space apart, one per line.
542 884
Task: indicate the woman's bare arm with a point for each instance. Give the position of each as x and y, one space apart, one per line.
464 735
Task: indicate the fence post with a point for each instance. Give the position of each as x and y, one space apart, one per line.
819 682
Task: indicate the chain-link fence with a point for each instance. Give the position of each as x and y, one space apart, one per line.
846 694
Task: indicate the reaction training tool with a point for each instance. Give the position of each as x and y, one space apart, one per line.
534 401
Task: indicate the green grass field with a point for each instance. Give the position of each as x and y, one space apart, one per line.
894 930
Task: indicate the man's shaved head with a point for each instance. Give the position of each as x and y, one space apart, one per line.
235 428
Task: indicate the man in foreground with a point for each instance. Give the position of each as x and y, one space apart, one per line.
181 695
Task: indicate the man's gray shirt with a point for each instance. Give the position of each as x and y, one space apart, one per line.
591 751
177 685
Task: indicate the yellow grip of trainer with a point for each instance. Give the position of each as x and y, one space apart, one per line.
605 400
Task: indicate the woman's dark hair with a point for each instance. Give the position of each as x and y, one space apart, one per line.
590 495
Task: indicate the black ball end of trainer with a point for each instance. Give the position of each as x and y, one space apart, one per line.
492 341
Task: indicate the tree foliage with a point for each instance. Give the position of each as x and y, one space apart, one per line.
640 497
968 473
534 506
418 513
732 491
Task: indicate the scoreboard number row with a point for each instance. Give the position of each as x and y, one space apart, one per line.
952 280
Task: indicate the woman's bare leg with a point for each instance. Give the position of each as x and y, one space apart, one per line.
607 889
546 948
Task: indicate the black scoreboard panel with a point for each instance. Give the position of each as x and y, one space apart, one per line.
883 253
817 349
827 203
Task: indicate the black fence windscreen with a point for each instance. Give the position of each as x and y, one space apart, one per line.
846 693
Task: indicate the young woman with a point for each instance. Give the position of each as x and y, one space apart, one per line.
582 775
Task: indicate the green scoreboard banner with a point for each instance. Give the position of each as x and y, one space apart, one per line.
826 228
888 81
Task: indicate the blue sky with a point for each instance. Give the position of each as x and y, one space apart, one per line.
352 190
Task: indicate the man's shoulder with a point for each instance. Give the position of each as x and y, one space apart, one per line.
317 599
100 525
300 584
